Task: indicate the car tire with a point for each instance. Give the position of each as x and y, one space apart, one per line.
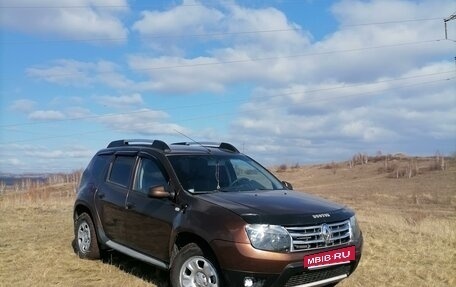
86 242
192 267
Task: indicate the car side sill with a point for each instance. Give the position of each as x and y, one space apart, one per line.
136 254
324 282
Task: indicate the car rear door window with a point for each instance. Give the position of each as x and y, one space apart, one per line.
121 170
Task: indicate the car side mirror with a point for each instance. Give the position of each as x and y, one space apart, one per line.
287 185
159 191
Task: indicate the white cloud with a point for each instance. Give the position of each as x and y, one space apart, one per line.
60 154
70 19
290 40
121 101
227 23
46 115
78 112
193 20
181 79
370 64
144 122
23 105
395 119
12 162
79 73
27 158
65 101
292 58
209 71
63 71
366 130
350 12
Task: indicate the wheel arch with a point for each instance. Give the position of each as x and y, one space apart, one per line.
79 209
185 238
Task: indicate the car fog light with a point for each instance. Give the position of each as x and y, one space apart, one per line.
248 282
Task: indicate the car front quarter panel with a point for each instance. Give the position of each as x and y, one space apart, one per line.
208 222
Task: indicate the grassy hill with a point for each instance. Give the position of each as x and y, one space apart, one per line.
406 208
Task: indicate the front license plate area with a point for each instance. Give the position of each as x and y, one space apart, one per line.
329 258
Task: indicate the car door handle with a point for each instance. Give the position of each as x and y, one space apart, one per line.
129 205
101 195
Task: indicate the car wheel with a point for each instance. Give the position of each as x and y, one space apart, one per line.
192 268
86 242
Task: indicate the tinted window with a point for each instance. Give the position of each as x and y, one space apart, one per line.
199 173
96 168
149 174
121 170
247 170
99 166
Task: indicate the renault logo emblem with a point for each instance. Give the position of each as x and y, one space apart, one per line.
326 233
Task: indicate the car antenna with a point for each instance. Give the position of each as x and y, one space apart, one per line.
198 143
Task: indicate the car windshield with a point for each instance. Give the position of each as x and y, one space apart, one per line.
226 173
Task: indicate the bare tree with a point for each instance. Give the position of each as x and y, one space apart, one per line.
333 167
2 187
365 158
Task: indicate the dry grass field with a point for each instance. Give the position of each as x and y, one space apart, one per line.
409 226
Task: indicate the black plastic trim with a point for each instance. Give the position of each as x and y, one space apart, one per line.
158 144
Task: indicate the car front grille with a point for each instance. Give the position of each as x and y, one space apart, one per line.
317 275
313 237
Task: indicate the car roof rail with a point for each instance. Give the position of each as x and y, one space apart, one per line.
158 144
222 145
228 146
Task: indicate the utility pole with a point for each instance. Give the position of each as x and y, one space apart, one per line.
449 18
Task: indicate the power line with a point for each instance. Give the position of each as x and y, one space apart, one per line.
201 35
245 111
318 100
289 56
136 6
217 103
392 22
258 59
449 18
207 35
107 6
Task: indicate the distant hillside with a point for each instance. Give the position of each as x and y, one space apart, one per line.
12 179
38 179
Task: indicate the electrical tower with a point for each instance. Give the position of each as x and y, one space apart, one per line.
452 17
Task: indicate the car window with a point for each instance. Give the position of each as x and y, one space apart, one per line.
121 170
200 173
96 168
245 170
149 174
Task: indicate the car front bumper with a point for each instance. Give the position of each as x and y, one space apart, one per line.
243 265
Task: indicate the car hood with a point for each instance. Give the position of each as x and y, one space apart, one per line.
284 207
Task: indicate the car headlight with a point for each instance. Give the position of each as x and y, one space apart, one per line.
268 237
354 228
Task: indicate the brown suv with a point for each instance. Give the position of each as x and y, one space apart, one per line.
212 216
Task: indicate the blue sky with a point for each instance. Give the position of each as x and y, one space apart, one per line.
287 81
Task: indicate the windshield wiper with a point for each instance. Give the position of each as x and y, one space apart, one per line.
226 189
203 191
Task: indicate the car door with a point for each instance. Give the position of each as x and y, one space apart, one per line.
148 221
110 197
